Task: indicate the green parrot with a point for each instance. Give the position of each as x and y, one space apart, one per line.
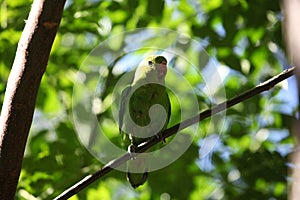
144 112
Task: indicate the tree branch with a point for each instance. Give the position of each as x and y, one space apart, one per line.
174 129
23 83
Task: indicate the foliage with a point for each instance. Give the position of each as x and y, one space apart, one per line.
250 157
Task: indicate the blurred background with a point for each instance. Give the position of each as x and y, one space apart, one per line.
243 156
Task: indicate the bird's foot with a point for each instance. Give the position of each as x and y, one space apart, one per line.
160 137
131 151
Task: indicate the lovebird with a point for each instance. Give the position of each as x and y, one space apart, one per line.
144 112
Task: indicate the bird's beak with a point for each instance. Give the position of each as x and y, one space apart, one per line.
162 70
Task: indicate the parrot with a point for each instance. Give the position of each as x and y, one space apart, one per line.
144 112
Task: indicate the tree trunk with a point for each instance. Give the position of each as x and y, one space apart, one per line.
292 38
22 87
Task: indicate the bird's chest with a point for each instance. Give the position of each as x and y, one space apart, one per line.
142 101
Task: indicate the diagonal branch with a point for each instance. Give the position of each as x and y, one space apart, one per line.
176 128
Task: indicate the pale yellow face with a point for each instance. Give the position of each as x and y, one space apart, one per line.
153 67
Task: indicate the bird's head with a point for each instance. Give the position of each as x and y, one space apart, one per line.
150 69
159 64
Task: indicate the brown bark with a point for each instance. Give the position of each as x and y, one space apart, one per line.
22 87
292 37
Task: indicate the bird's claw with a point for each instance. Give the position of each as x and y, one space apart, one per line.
131 151
160 137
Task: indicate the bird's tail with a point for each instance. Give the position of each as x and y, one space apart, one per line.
137 171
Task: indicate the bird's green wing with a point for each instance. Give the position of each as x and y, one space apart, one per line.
125 141
124 95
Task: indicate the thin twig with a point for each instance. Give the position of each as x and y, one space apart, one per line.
174 129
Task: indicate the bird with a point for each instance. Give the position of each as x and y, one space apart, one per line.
144 112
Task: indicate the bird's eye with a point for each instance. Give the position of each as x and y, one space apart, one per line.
150 62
